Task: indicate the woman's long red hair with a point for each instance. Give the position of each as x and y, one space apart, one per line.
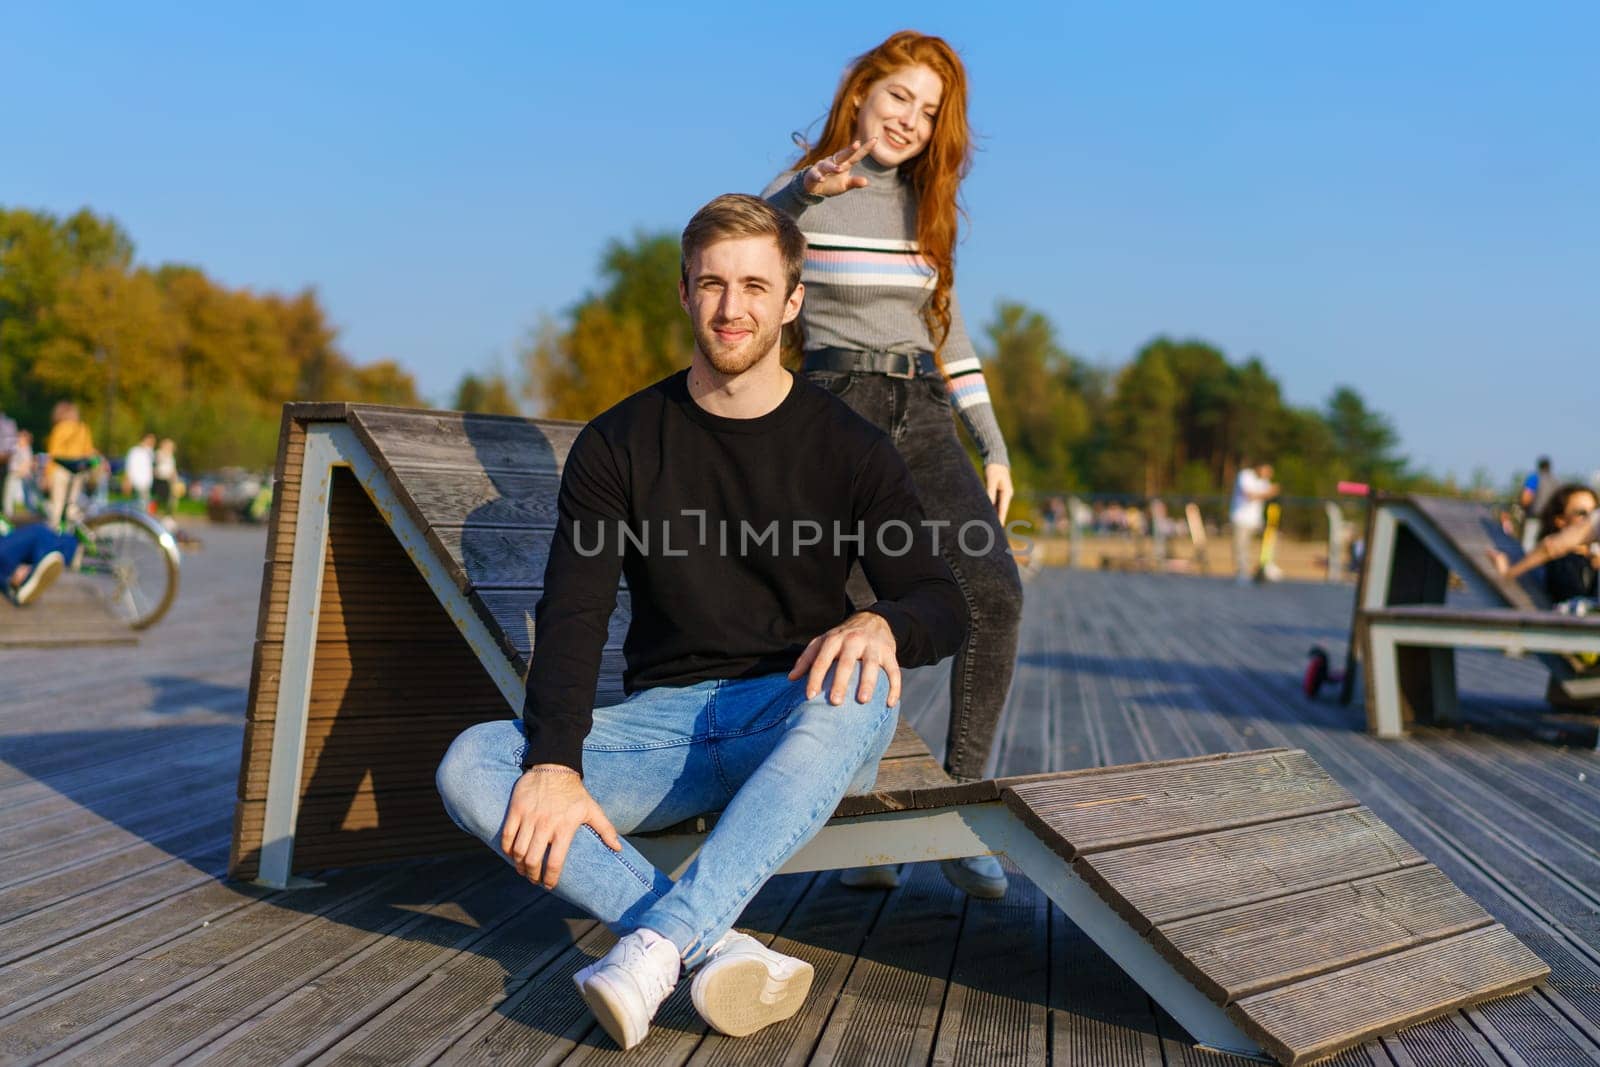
935 173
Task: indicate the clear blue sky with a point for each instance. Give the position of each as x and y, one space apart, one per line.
1398 196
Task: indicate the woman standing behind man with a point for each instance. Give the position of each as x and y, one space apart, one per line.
876 198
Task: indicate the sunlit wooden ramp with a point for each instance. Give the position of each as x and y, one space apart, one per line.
1249 894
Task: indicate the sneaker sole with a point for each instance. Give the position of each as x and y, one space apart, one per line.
34 587
596 994
743 997
974 886
870 877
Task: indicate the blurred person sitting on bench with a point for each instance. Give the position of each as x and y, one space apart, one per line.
1569 518
754 689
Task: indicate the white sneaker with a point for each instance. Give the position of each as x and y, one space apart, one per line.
625 986
744 986
46 571
883 876
977 876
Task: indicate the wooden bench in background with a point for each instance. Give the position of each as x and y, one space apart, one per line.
1249 894
1408 637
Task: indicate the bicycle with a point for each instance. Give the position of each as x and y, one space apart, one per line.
129 559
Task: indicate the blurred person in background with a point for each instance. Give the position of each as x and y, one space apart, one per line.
1534 498
139 470
17 494
1247 513
71 449
164 481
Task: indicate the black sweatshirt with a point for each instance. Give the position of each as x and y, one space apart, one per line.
736 537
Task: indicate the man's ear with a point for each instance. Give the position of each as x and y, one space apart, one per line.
791 307
683 296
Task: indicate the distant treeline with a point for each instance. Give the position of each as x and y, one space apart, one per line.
175 353
1178 418
164 350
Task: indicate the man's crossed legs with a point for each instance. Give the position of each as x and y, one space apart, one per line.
773 762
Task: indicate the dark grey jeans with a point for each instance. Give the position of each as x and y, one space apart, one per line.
916 413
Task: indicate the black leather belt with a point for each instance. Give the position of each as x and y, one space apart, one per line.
850 360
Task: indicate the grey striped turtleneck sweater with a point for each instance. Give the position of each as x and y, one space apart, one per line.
866 285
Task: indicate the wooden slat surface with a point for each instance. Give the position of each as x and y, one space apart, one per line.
512 612
896 787
1473 530
1084 815
452 439
1178 879
1308 1020
1239 951
261 710
498 557
367 779
1489 618
68 613
455 497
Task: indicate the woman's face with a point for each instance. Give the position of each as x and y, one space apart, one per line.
1579 506
900 110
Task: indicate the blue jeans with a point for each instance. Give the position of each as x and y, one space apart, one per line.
30 544
915 413
772 762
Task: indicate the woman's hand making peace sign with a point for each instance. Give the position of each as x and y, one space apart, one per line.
831 176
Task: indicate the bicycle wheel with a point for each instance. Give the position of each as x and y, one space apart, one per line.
133 563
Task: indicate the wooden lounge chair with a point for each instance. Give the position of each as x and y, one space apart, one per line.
1408 636
1249 893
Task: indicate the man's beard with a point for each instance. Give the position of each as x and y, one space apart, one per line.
737 360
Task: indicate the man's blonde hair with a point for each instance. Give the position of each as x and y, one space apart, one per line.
735 215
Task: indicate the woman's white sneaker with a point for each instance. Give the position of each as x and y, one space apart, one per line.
625 986
881 876
977 876
744 986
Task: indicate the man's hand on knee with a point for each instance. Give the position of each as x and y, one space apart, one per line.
548 805
863 638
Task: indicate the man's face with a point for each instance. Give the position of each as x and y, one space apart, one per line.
736 301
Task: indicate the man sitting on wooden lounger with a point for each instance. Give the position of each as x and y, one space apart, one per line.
734 496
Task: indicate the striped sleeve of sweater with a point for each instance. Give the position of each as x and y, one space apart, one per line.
867 284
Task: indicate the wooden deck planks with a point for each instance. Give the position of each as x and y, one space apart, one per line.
89 1008
69 614
996 1010
1244 950
142 926
888 1009
1306 1020
1098 1015
1180 879
1090 814
1208 680
215 1006
319 1013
